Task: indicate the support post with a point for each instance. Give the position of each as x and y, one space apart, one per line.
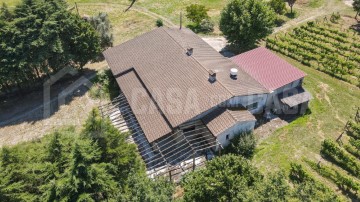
77 10
180 20
193 160
170 174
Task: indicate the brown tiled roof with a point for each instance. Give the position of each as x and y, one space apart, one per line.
210 59
221 119
156 62
177 82
151 121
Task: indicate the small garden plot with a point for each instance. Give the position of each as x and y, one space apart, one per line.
323 46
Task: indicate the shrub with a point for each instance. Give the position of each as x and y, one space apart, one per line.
196 13
335 17
243 144
104 85
278 6
206 26
159 23
101 24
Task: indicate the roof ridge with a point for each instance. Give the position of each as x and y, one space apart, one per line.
196 60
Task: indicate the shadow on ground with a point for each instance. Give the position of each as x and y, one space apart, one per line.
30 107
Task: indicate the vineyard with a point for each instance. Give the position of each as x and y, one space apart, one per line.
323 46
345 155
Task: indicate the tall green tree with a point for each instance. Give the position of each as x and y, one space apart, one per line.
87 180
113 146
39 38
245 22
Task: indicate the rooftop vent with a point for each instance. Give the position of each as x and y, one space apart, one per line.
233 73
189 51
212 76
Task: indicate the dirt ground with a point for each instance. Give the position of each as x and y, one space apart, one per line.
267 129
22 118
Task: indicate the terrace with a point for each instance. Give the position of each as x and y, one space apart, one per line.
184 149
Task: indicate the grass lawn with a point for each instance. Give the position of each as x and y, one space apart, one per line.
135 22
333 104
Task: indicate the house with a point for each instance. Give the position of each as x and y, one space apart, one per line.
183 92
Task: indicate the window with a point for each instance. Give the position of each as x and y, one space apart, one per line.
252 106
227 137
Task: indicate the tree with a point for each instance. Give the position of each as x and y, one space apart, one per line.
101 24
39 38
5 13
243 144
86 179
196 13
356 5
113 146
226 178
244 22
291 4
142 188
278 6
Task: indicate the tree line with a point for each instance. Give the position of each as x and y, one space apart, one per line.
95 164
40 37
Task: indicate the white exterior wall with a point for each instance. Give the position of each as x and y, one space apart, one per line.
235 130
247 100
270 100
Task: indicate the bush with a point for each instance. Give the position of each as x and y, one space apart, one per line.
159 23
196 13
104 85
243 144
278 6
206 26
335 17
279 21
101 24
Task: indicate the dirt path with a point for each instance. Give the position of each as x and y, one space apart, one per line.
136 8
330 6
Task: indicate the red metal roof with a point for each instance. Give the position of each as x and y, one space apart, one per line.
268 69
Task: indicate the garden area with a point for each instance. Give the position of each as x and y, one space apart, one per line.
322 45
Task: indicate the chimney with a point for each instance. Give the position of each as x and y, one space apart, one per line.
212 76
233 73
189 51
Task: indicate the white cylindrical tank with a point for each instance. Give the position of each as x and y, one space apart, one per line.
233 72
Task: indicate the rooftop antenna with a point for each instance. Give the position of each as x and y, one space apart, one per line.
180 20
